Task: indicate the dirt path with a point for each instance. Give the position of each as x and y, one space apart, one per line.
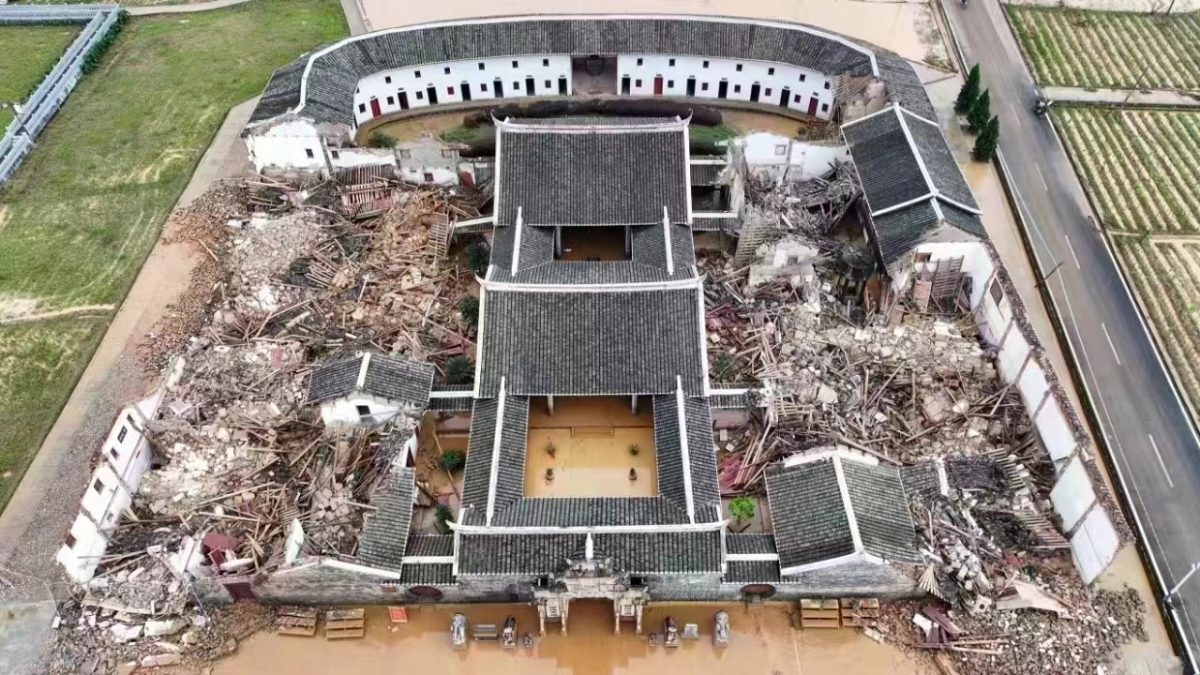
150 10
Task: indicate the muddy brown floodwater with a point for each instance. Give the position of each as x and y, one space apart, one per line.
762 641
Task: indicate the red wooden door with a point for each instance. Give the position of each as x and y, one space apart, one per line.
658 86
375 110
812 106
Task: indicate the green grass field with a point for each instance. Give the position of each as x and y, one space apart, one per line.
86 207
1076 48
29 53
6 116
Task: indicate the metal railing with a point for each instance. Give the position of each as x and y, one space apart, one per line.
54 89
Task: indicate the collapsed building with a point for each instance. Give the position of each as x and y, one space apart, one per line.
603 431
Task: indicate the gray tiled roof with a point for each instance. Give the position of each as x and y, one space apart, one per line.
590 343
385 532
610 176
427 574
387 377
645 553
750 543
462 404
430 545
592 120
887 165
939 160
513 554
963 220
808 513
537 248
510 478
921 479
662 552
593 273
751 572
334 75
589 511
898 232
730 224
702 455
881 510
649 247
706 174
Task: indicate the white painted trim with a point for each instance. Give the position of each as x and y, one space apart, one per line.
683 450
937 208
573 129
491 502
454 568
465 393
864 118
923 119
586 529
752 557
855 536
516 259
687 168
589 551
476 221
964 207
705 160
943 479
479 335
582 17
428 560
728 392
714 214
503 286
928 196
362 371
703 340
667 239
912 145
495 172
820 564
360 569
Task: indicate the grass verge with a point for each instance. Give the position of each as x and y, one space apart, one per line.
87 205
29 53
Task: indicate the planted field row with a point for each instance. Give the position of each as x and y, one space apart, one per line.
1166 276
1077 48
1139 166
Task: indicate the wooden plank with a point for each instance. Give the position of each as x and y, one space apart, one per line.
338 614
337 625
298 631
344 634
303 612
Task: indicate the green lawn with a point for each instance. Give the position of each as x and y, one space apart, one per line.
29 53
84 210
6 115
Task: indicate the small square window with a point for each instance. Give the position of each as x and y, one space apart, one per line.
362 107
406 154
768 92
803 77
124 429
98 486
639 60
548 84
996 291
450 91
796 98
705 64
824 107
70 541
387 79
129 418
781 150
516 63
428 177
546 62
363 410
739 67
481 66
420 96
770 71
307 153
922 257
703 86
483 87
334 154
391 100
637 83
737 88
670 62
113 453
417 74
446 70
670 84
826 85
516 86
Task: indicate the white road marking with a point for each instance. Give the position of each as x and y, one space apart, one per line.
1038 169
1162 465
1110 343
1072 250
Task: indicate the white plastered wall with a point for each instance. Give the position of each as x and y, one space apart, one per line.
289 144
343 412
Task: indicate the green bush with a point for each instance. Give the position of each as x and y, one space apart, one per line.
459 370
742 508
989 138
468 307
381 141
479 256
980 113
453 460
443 515
91 60
969 92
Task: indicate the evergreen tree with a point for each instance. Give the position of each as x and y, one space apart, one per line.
980 112
989 138
969 92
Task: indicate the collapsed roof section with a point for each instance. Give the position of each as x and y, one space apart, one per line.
591 340
385 377
914 189
583 173
320 85
835 508
385 533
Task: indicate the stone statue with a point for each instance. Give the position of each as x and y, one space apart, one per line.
508 636
721 629
458 631
670 632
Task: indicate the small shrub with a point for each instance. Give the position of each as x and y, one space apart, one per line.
443 515
634 449
91 60
459 370
989 138
980 113
453 460
969 92
468 307
381 141
479 256
724 368
742 508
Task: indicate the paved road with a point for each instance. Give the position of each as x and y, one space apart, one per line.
1150 437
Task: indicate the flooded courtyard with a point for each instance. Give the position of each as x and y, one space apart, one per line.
762 641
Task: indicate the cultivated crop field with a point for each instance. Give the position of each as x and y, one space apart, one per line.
84 210
1077 48
1140 168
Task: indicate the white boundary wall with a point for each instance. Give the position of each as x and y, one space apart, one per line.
50 95
124 459
1094 540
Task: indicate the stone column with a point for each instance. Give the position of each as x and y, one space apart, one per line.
542 618
566 606
638 611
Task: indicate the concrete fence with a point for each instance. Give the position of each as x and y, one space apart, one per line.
54 89
1002 323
